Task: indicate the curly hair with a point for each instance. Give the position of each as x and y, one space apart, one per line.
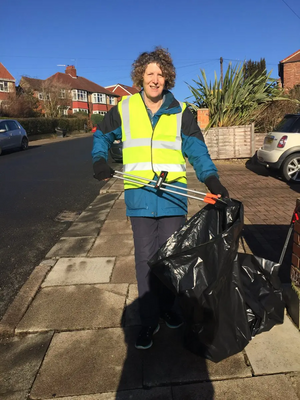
159 56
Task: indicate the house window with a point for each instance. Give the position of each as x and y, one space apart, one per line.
99 98
3 86
111 100
99 112
76 110
62 94
63 111
41 96
79 95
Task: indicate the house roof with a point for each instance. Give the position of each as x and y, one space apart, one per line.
78 83
5 75
292 58
34 83
129 89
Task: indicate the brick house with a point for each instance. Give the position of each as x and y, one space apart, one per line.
76 93
289 71
122 90
7 83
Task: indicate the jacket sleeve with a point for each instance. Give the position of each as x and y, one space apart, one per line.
194 147
108 130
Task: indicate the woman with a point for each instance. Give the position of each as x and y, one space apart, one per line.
157 133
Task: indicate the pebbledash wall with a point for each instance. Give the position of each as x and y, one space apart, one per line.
229 142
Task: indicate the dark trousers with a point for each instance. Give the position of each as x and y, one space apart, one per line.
149 235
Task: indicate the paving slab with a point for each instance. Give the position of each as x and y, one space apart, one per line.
71 247
80 270
169 362
105 199
124 270
161 393
94 361
294 377
275 387
79 229
75 307
117 214
131 312
112 246
275 351
120 203
93 215
110 227
21 357
19 306
19 395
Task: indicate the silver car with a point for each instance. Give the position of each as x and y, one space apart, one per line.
281 149
12 135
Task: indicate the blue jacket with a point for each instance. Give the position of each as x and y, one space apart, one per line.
145 201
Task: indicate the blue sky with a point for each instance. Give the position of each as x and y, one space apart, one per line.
103 38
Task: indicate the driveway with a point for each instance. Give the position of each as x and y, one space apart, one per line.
269 203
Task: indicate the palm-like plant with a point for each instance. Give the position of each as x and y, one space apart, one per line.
238 100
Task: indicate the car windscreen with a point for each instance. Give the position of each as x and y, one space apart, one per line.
289 124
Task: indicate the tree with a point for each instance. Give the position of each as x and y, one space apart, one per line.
276 110
254 68
239 100
55 97
21 104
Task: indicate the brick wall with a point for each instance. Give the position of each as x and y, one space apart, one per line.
295 268
203 117
291 75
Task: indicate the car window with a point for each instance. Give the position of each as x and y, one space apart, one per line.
289 124
12 125
3 125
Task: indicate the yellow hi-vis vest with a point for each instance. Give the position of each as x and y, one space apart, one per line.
148 151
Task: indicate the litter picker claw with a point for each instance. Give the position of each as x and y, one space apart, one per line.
161 185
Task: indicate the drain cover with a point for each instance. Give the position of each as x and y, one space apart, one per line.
67 216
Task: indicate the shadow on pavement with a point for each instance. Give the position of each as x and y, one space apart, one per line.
164 369
253 165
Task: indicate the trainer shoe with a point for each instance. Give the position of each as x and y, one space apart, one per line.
172 319
144 339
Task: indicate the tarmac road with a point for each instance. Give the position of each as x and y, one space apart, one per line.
51 177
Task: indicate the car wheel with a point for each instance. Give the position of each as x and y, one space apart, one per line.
291 168
24 144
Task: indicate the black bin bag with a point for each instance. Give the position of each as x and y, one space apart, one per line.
225 297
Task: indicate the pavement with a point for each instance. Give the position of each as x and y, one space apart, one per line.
70 332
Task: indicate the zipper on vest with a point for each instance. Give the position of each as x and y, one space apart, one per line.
151 135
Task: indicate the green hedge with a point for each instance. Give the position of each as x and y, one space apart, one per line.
41 126
96 118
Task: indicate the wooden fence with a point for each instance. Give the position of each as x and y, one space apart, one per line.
233 142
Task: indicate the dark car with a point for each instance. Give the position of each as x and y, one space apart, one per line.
116 151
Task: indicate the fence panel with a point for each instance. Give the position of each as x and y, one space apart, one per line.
231 142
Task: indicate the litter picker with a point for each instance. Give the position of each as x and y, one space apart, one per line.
207 197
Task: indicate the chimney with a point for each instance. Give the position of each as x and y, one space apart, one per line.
71 70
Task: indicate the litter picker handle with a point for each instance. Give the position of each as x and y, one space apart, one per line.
208 197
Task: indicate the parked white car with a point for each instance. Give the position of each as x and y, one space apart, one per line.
12 135
281 149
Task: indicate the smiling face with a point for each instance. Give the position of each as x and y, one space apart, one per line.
153 82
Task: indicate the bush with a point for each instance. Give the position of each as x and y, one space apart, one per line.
41 126
96 118
273 114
